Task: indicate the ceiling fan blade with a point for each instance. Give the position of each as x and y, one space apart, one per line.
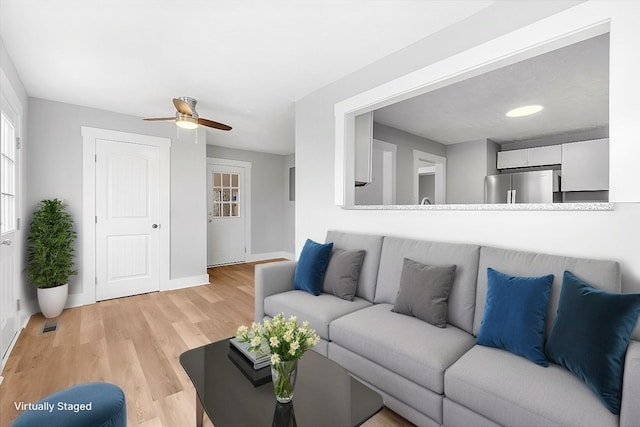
182 107
212 124
155 119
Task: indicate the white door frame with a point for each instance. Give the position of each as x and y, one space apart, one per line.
9 96
87 273
247 203
389 154
440 176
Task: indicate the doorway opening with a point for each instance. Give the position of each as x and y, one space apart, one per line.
427 183
430 173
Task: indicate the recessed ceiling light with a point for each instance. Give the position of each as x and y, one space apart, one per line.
526 110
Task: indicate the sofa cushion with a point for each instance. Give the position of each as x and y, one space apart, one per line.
602 274
372 245
461 302
318 310
341 277
590 336
402 395
511 391
424 291
405 345
515 313
311 266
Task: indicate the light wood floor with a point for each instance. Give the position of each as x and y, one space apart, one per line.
135 342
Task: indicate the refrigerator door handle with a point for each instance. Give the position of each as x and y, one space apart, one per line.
513 196
508 196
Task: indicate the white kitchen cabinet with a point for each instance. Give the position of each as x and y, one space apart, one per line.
512 159
545 156
585 165
529 157
364 148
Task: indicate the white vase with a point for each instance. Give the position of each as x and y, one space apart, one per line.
52 300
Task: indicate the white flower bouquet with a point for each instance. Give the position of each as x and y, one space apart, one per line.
286 341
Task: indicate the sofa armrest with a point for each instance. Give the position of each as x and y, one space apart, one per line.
270 279
630 410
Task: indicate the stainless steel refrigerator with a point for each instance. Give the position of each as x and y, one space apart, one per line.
523 187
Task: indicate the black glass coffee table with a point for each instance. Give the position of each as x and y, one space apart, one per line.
325 394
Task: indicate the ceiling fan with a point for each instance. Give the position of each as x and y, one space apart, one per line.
187 117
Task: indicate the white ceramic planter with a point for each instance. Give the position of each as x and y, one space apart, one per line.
52 300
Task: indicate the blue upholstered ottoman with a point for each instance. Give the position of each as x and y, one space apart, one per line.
83 405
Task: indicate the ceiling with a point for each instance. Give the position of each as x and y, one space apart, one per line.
246 62
571 83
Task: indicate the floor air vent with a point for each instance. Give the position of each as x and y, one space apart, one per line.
50 326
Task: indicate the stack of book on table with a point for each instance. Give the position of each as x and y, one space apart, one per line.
254 366
257 360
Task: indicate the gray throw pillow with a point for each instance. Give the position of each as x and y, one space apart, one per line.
341 276
424 291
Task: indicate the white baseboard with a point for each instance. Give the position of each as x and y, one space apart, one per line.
186 282
28 309
269 255
75 300
3 362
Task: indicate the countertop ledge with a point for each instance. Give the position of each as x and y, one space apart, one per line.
491 207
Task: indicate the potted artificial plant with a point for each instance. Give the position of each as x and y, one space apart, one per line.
50 255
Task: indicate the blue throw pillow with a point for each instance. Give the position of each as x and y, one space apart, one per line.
515 313
590 336
311 267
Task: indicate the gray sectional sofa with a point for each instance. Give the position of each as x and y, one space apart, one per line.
439 376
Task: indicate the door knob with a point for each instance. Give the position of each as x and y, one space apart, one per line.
154 226
6 242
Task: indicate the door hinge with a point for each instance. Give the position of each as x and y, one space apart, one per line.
96 280
95 158
18 304
96 219
18 224
18 145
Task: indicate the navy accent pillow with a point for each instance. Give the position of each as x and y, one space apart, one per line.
311 266
515 313
590 336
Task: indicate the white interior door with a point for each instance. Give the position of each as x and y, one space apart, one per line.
127 219
9 196
227 214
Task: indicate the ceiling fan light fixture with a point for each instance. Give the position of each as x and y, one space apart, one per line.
187 117
525 110
186 122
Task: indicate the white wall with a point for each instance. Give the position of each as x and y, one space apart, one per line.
54 165
271 213
188 204
606 235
